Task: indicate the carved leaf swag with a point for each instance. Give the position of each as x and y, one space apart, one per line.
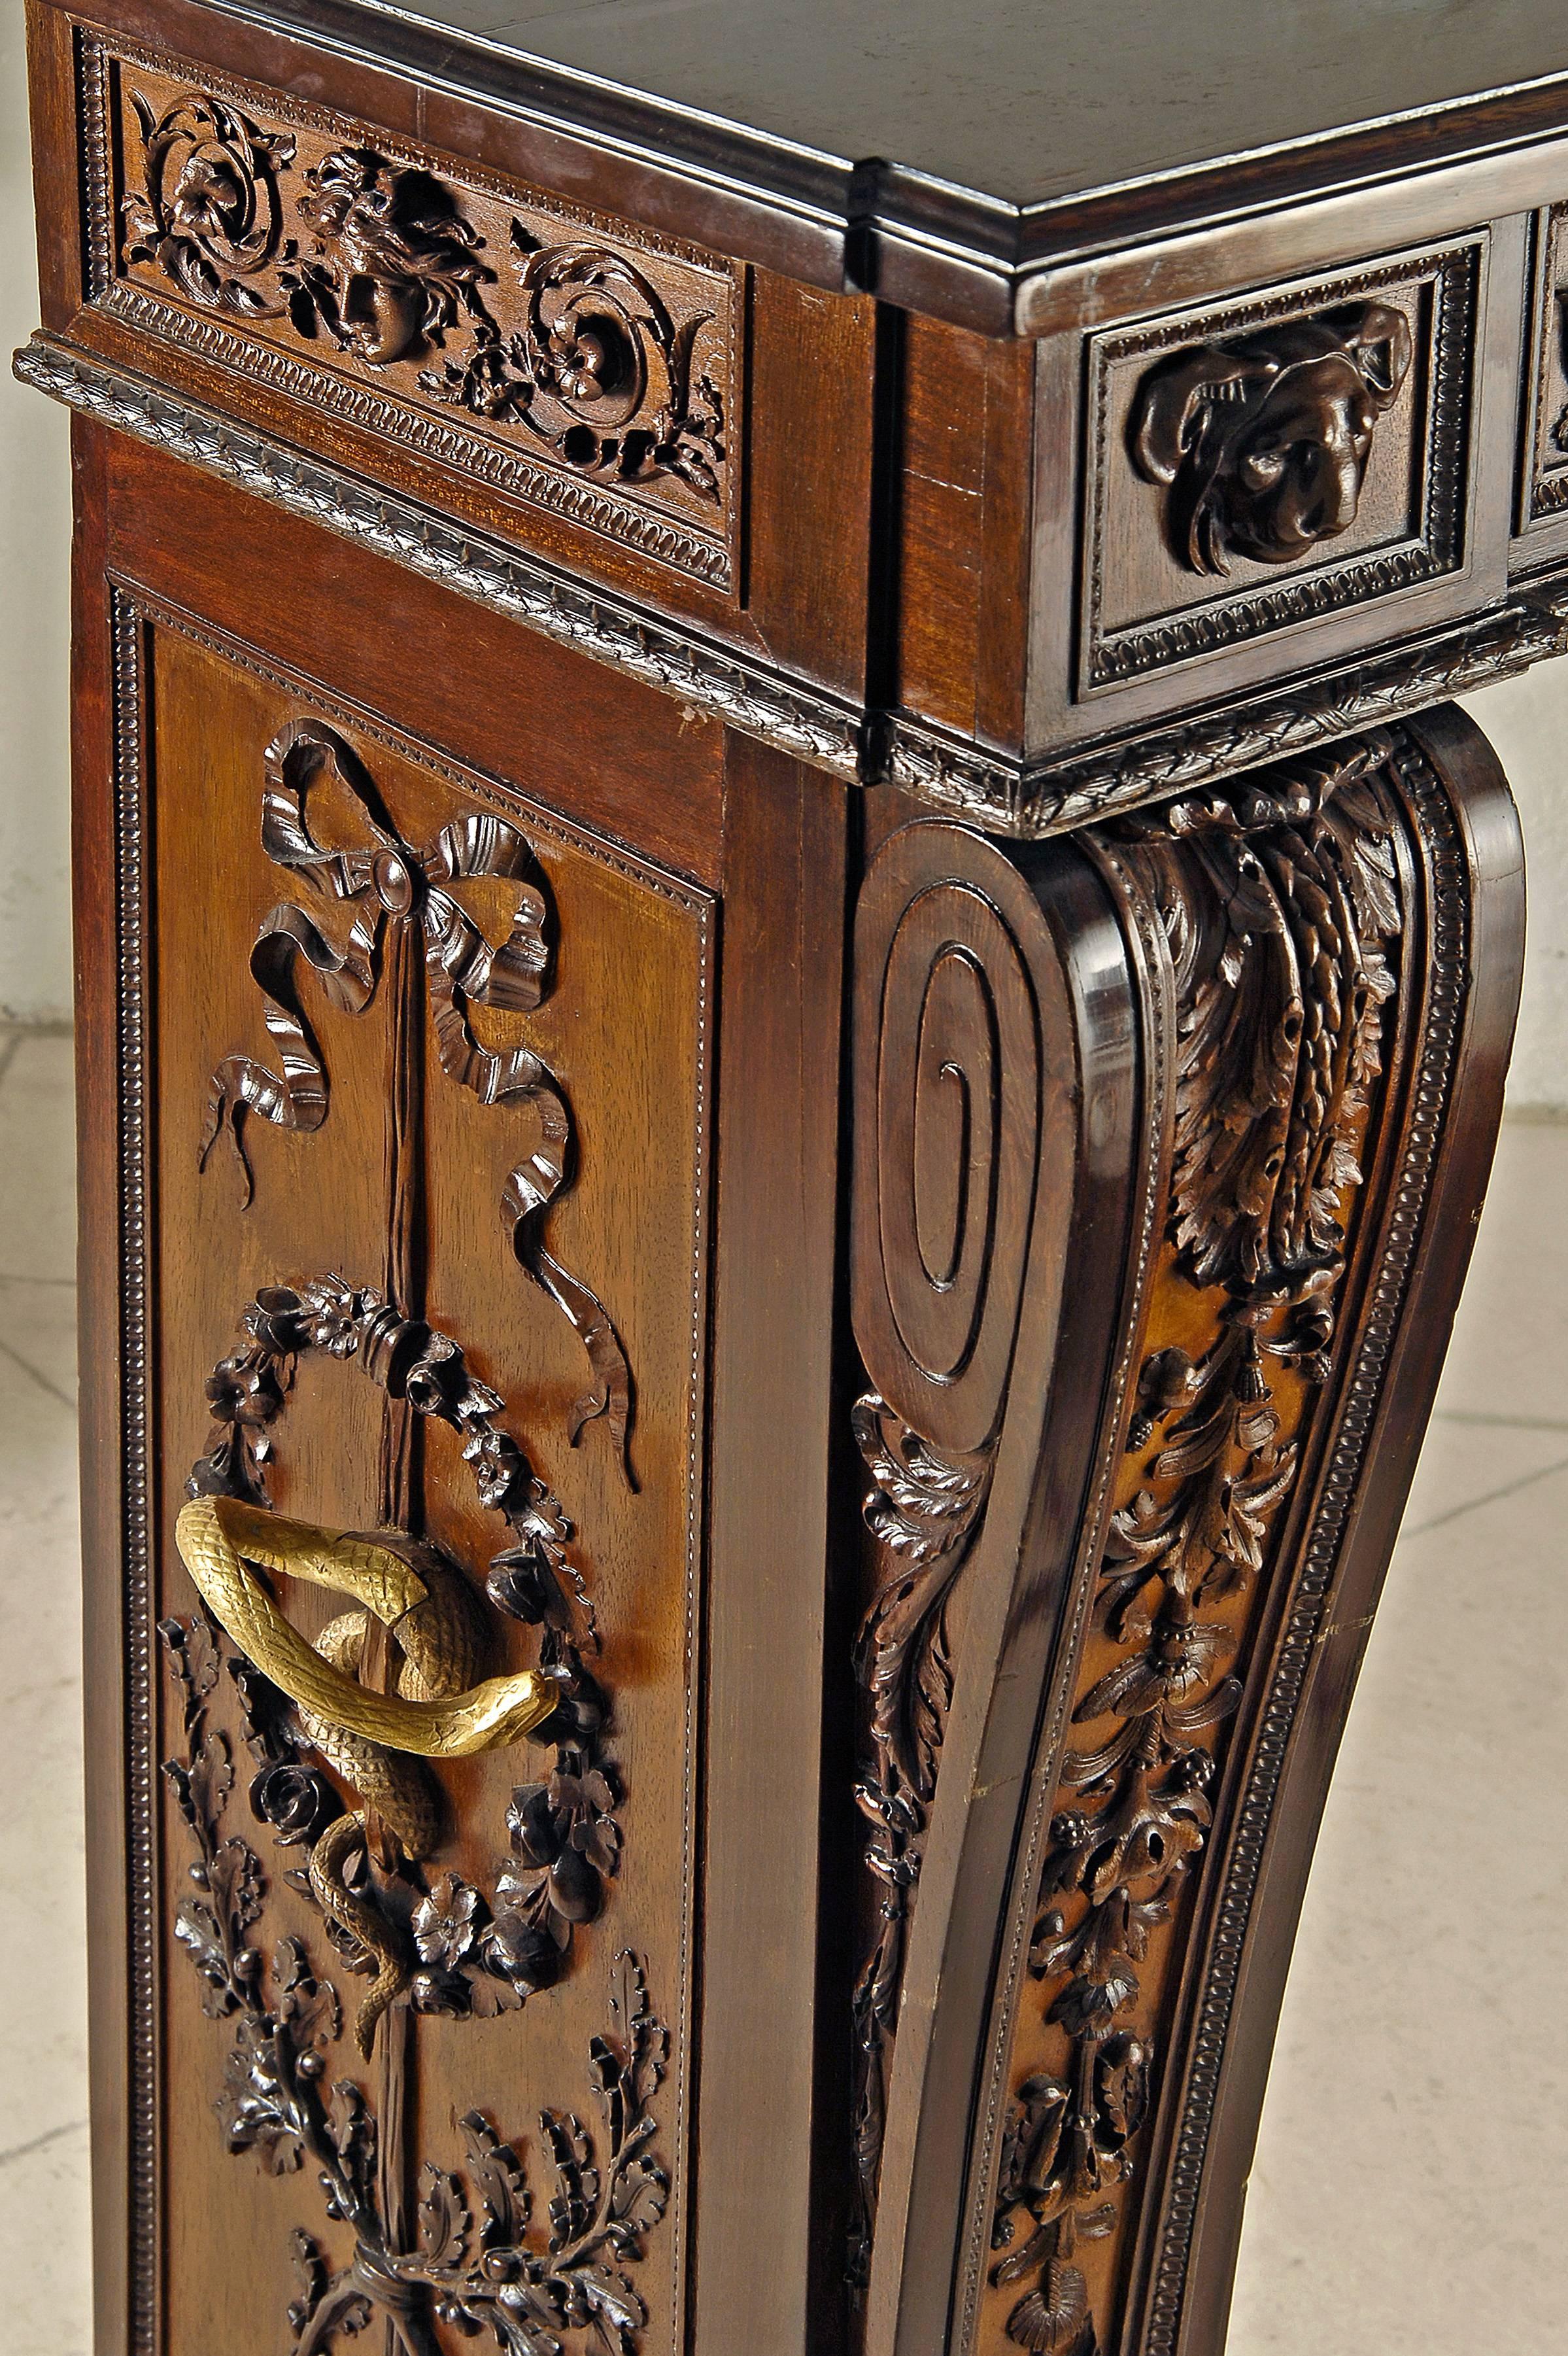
923 1513
466 1952
386 882
385 267
478 2264
1279 897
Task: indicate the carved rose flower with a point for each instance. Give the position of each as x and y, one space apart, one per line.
444 1923
295 1800
498 1464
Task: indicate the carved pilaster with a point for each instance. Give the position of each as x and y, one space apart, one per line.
1143 1671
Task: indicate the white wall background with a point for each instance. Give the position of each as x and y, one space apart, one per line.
1526 718
35 612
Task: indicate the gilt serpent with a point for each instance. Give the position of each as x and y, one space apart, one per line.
436 1712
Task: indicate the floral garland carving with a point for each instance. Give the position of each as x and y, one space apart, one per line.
492 2273
479 1956
1279 900
923 1512
596 350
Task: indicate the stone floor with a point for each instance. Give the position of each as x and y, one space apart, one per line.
1412 2177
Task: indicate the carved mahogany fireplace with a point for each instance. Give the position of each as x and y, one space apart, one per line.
793 991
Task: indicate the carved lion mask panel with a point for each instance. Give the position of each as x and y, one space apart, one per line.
1262 441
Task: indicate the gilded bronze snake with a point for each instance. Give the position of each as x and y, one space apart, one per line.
363 1735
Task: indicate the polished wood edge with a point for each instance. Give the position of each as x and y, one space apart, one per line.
789 715
885 227
1026 801
1032 800
770 2013
97 760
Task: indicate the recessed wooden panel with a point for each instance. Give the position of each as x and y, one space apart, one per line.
1283 458
429 1180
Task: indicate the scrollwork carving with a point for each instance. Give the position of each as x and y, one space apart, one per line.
478 2263
599 370
1261 441
1279 900
208 213
387 883
949 1091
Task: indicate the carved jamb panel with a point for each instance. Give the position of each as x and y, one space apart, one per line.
548 352
1282 458
1544 490
956 1061
1284 902
195 671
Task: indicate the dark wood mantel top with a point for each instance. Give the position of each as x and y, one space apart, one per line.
993 135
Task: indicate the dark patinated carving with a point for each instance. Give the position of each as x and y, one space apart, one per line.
491 2271
208 213
386 882
950 1044
1261 441
923 1512
598 369
392 259
1279 901
477 1952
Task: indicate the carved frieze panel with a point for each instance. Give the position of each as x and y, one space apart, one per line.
1545 487
1283 458
543 351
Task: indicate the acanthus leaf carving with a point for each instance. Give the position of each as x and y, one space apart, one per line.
953 1036
208 213
596 350
374 254
923 1512
1279 901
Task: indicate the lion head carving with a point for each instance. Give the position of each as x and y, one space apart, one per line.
1262 440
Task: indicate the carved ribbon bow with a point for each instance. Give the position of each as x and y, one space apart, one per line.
387 883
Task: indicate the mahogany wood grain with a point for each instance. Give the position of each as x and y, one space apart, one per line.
922 1330
652 773
765 2044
